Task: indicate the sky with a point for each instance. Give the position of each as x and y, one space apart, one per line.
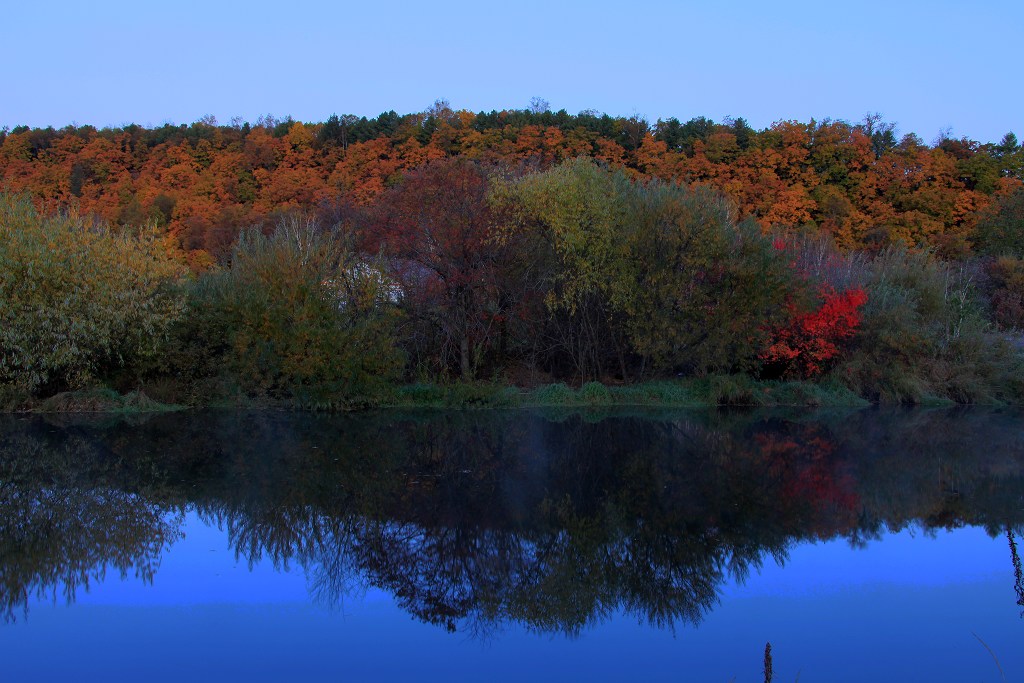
925 66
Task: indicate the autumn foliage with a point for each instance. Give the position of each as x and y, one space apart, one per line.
510 244
439 233
812 340
204 183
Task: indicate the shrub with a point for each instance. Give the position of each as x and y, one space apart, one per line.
552 395
1000 229
1007 296
595 393
811 341
296 315
925 336
78 301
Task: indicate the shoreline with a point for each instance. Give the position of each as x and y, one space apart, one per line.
718 391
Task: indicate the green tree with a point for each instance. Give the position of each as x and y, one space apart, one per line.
78 300
661 272
297 315
700 289
1000 228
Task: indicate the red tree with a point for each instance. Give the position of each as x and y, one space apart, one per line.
438 230
810 341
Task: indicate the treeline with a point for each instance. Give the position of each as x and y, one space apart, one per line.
203 183
465 270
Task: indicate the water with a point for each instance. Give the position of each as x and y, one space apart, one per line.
863 545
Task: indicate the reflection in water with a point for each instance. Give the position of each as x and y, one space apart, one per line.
60 528
473 520
1018 583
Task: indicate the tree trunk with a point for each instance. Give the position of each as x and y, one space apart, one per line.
467 372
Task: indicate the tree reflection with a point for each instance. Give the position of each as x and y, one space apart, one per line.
61 528
1018 579
475 520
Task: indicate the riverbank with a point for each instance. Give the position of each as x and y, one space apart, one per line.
718 390
706 392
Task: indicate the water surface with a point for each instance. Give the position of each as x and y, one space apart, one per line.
502 545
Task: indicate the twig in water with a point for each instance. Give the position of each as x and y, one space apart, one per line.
994 658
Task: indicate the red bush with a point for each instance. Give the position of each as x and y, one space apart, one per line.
804 347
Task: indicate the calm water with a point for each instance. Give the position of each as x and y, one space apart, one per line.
863 545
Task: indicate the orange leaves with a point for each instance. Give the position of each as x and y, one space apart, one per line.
827 175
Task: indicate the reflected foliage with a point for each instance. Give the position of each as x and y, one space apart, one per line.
554 521
64 522
1018 576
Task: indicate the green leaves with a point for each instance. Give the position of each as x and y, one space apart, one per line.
300 316
77 300
663 267
1000 229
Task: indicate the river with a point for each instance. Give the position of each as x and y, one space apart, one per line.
875 544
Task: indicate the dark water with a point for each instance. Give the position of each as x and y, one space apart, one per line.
863 545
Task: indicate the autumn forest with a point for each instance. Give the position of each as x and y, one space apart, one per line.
413 258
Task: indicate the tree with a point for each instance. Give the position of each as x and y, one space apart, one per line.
438 230
650 271
1000 229
78 300
881 133
297 314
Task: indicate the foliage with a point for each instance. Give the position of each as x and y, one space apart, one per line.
1000 229
78 301
1007 296
455 395
203 182
437 229
595 393
925 336
553 395
650 270
296 315
511 244
102 400
810 341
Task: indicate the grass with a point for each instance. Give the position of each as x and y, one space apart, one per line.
702 392
718 390
456 395
102 400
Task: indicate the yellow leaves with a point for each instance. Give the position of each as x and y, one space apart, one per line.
85 296
300 135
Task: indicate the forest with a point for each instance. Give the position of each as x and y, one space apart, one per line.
447 256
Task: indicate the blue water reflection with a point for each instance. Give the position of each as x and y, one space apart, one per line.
269 563
905 608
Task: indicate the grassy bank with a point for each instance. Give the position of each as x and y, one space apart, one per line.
101 400
719 390
727 390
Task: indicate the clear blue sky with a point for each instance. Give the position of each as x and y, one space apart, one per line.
924 65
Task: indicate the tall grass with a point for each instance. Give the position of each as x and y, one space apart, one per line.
926 336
